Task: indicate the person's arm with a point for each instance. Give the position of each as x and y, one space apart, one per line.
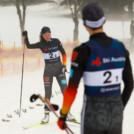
64 56
80 57
128 80
30 46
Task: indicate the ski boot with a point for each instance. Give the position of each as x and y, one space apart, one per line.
46 118
71 118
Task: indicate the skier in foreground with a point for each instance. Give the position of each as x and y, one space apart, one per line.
103 62
51 48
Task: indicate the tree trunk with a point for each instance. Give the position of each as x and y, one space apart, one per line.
76 30
75 12
130 7
123 29
76 21
21 16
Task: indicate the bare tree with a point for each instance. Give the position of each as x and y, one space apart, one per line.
75 7
130 5
21 14
21 6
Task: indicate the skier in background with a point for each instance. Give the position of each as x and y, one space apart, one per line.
103 62
51 49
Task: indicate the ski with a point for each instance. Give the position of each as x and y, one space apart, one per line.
37 125
71 118
73 121
41 124
68 130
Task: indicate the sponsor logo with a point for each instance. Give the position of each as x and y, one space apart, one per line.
96 62
74 55
74 64
113 59
55 47
103 90
45 49
71 73
61 75
46 79
63 82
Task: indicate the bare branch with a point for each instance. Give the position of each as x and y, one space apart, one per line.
75 2
17 3
81 4
69 5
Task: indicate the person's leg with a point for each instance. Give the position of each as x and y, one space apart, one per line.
61 79
102 115
94 116
48 79
116 118
87 126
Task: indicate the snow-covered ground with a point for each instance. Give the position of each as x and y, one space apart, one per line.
10 86
31 114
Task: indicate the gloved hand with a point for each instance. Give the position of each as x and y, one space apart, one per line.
24 33
64 69
33 98
62 121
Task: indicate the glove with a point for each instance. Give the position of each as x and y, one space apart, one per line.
33 98
64 69
24 33
62 121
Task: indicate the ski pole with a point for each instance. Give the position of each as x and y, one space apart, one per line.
22 78
34 97
52 109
